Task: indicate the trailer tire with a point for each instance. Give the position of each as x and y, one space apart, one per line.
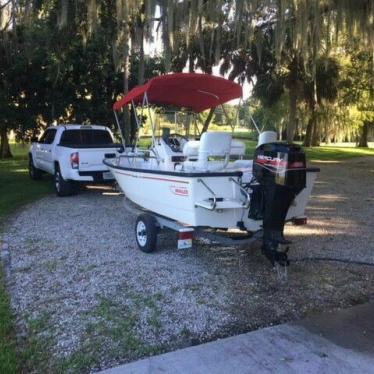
146 233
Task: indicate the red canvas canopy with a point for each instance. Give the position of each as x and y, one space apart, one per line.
189 90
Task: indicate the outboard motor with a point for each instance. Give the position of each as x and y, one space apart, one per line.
280 170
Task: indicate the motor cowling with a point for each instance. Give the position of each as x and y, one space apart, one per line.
280 170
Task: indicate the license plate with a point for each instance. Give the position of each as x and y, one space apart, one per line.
184 243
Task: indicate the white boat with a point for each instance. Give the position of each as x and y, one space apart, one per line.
207 183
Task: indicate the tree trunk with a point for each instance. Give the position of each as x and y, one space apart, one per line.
284 134
314 130
191 67
363 141
207 121
166 41
311 127
200 37
309 132
4 144
292 118
141 69
316 136
296 136
137 49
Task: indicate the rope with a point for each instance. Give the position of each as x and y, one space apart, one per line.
332 259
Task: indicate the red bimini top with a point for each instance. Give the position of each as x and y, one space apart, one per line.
197 92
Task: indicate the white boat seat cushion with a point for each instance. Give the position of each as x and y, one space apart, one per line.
191 149
237 148
215 144
212 144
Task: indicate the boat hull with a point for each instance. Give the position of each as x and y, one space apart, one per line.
188 198
175 197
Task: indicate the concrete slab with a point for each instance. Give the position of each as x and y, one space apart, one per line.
342 342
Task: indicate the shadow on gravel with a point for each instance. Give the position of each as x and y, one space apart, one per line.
86 298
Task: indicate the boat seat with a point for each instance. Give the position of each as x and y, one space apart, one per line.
237 148
191 149
212 144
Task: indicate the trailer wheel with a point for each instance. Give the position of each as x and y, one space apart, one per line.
146 233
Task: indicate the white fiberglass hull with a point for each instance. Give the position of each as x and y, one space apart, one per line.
175 197
189 197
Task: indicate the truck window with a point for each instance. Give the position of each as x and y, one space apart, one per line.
93 137
48 137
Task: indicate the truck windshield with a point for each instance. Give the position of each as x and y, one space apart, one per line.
83 137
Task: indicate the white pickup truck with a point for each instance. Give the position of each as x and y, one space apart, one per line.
73 154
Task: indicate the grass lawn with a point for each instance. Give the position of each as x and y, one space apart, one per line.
324 153
336 153
16 188
9 362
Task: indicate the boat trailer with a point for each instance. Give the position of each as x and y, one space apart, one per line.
148 225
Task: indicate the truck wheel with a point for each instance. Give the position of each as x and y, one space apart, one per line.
146 233
34 173
62 187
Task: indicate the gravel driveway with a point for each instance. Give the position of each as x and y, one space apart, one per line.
86 298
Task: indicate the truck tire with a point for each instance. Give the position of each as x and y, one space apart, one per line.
34 172
146 233
63 187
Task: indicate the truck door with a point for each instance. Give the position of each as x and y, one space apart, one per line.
44 150
47 150
38 162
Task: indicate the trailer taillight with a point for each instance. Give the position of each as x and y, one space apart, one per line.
74 160
185 237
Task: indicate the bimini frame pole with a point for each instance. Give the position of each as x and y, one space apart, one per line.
137 124
145 100
254 123
136 114
119 128
236 114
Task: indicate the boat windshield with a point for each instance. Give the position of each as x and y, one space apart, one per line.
168 122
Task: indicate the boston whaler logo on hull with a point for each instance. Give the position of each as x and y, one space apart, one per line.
179 190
